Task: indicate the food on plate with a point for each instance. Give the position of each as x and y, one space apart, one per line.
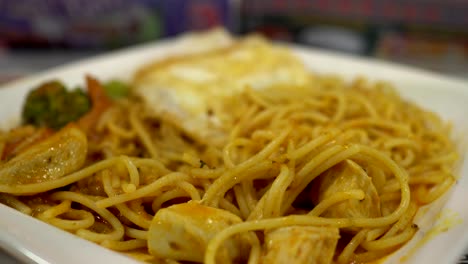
53 106
186 229
231 151
305 244
191 90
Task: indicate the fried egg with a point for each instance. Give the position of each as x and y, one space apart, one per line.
190 89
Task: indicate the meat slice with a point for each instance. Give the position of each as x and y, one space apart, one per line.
300 244
348 176
182 232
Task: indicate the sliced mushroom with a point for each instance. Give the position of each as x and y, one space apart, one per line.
300 244
182 232
51 159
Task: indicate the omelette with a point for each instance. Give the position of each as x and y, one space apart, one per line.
191 89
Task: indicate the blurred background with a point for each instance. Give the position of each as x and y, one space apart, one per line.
432 34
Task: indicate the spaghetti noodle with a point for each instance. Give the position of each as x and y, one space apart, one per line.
286 149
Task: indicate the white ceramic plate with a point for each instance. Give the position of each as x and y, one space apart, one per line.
34 241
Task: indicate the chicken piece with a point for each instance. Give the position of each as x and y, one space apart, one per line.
182 232
300 244
344 177
51 159
193 91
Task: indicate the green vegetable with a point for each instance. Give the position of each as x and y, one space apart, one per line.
52 105
116 89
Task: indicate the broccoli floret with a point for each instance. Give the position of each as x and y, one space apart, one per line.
52 105
116 89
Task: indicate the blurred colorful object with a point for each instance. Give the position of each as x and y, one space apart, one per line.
432 34
448 13
104 23
435 54
426 33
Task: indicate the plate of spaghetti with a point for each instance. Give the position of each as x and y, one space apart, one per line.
210 148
